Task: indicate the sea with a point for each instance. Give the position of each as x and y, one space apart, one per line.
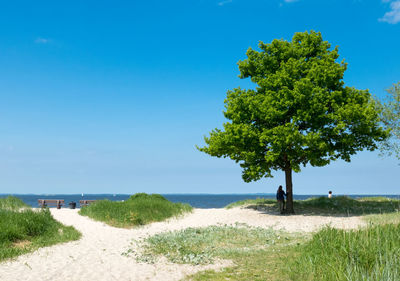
205 201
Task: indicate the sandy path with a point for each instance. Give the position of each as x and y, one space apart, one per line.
97 255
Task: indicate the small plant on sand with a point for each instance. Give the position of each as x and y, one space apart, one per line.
203 245
139 209
253 250
24 230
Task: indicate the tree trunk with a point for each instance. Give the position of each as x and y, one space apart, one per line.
289 190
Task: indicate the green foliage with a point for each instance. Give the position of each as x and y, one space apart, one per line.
299 113
339 205
390 116
12 203
203 245
333 255
24 231
139 209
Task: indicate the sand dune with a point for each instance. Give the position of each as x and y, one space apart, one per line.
98 254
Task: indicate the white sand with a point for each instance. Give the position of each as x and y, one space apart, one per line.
97 255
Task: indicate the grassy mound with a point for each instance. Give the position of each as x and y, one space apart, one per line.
12 203
337 205
367 254
26 230
139 209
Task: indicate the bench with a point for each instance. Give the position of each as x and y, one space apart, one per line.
86 202
54 202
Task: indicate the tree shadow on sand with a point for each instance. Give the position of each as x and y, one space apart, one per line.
339 206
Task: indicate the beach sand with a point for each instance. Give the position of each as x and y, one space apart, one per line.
98 254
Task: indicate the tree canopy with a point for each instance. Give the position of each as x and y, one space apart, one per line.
390 116
299 113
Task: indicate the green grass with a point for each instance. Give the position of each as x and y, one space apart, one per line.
12 203
338 205
252 202
368 254
139 209
25 230
203 245
372 254
254 251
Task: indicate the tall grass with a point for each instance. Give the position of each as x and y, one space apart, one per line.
25 230
370 254
12 203
139 209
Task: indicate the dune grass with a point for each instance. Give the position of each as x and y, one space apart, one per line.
372 253
368 254
252 202
139 209
203 245
24 230
338 205
257 253
12 203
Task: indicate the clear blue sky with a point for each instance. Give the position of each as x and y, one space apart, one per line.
113 96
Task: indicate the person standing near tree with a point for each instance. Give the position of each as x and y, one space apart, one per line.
281 199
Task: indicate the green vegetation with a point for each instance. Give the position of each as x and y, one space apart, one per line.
139 209
24 230
255 252
337 205
371 253
388 218
203 245
299 112
390 117
12 203
252 203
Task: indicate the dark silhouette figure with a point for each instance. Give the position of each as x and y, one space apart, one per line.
281 199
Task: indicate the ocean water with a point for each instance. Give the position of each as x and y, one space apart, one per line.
205 201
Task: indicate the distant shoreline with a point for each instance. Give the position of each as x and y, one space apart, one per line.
204 201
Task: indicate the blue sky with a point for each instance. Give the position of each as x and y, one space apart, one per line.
113 96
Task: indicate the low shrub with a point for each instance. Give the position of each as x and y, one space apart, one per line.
203 245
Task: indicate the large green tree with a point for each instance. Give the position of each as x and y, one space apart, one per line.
299 113
390 116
